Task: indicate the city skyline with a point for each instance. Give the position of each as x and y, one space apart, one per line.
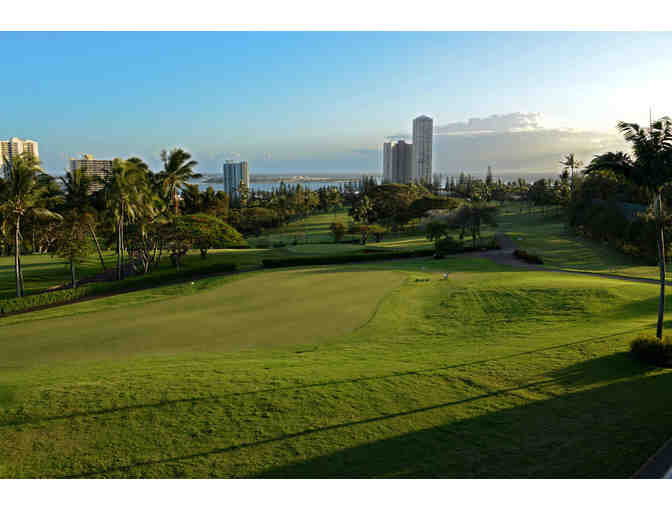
331 110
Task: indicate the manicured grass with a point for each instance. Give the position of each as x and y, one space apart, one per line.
387 369
548 237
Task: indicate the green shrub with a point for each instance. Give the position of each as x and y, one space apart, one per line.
653 350
447 246
528 257
344 259
279 244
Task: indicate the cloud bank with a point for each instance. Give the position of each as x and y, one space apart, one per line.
513 144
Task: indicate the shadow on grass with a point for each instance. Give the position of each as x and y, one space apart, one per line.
608 432
603 432
619 365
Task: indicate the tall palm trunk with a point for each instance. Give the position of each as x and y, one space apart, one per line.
72 274
95 239
120 244
661 261
17 258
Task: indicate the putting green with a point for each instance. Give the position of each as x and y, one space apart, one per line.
274 308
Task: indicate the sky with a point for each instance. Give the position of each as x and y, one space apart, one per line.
312 102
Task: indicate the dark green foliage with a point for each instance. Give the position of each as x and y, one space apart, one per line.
343 259
447 246
653 350
528 257
338 231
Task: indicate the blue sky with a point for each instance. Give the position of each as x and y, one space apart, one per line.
325 101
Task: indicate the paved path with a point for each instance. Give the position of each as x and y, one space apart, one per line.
505 256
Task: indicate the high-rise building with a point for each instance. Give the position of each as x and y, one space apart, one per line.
422 148
235 174
15 146
93 168
387 162
402 162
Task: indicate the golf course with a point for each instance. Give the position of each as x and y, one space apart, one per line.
458 367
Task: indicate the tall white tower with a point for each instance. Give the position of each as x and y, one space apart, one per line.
423 128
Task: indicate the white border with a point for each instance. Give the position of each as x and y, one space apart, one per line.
335 15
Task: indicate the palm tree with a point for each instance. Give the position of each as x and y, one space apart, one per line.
76 188
178 170
570 162
21 196
127 197
649 167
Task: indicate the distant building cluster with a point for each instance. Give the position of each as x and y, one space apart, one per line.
99 170
235 173
404 162
11 148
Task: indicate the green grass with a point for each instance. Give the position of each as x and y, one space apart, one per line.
383 370
548 237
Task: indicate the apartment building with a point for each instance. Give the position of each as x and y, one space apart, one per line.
235 173
15 146
397 162
98 169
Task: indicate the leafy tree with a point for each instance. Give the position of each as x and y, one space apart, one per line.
203 232
650 167
471 217
338 231
378 232
72 242
21 193
362 209
436 229
76 187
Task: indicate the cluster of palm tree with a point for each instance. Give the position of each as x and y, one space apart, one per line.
132 197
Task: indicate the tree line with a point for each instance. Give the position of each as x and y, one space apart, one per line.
145 216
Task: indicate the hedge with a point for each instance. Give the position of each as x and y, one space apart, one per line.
344 259
653 350
14 305
528 257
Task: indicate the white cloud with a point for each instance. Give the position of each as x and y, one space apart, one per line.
510 122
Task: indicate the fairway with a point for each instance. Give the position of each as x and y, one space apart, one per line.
416 368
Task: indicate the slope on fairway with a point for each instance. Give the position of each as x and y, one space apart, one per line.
485 372
270 309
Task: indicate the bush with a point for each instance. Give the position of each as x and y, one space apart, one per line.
262 243
652 350
59 297
279 244
528 257
344 259
447 246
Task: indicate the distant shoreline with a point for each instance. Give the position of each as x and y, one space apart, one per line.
288 179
